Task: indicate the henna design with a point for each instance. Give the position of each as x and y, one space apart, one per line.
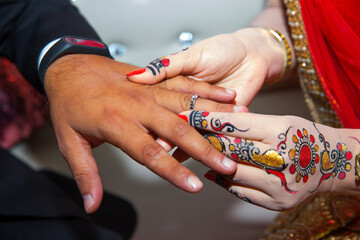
334 163
198 119
282 178
243 149
216 141
182 50
225 182
240 197
357 166
304 155
157 64
281 147
228 127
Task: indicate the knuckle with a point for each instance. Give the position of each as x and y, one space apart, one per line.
281 204
285 205
191 83
209 151
272 181
184 101
224 107
138 98
108 114
179 172
109 119
151 154
239 178
83 175
181 128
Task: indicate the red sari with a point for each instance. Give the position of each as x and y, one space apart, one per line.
333 32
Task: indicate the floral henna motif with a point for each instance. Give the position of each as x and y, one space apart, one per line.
198 120
304 155
243 149
335 163
157 64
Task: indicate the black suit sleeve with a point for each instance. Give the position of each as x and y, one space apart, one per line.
26 26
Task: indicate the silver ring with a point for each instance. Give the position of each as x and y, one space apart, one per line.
193 100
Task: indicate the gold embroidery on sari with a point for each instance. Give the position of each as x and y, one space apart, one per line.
315 98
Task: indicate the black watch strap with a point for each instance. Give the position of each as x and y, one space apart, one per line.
71 45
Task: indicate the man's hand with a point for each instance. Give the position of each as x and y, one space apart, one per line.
92 102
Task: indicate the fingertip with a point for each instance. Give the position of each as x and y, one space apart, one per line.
194 183
229 165
210 175
92 198
231 94
136 72
88 202
221 94
184 117
143 76
165 144
241 109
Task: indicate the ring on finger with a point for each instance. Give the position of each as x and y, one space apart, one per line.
193 100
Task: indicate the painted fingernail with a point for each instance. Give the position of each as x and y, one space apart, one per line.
230 91
136 72
227 163
183 117
210 177
239 109
88 201
194 182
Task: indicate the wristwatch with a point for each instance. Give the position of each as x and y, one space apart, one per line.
70 45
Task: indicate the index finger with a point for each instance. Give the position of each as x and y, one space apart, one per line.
177 131
142 147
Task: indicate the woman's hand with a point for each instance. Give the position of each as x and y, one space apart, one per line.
92 102
241 61
282 160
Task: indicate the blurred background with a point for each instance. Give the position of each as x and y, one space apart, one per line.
138 31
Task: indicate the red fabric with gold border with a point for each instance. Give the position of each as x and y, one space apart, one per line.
333 32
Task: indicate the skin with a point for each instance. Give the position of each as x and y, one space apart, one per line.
245 61
240 62
92 102
278 187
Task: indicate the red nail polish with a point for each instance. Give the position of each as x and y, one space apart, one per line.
210 177
183 117
136 72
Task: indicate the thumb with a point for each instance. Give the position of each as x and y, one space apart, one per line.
163 68
84 170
